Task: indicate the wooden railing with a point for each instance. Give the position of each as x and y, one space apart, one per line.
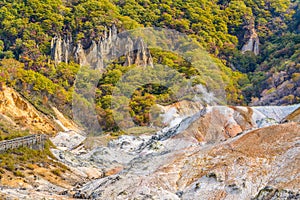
31 141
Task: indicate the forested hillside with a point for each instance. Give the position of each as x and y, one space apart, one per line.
222 27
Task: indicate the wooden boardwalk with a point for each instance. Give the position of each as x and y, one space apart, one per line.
31 141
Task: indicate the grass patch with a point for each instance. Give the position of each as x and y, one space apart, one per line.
19 173
136 131
8 131
26 162
23 160
56 172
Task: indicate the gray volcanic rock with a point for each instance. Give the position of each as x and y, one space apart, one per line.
108 48
253 43
272 193
215 152
252 38
281 88
176 163
235 169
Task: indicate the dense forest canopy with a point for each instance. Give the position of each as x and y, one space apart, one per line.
220 26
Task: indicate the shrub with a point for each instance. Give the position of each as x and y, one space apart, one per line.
56 172
19 173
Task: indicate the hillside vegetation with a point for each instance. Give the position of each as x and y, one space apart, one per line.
220 26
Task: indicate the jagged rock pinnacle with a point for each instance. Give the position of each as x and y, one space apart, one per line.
99 53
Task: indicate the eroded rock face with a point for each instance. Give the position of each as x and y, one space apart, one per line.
235 169
61 48
215 152
223 122
109 47
220 123
252 43
17 111
174 113
282 89
272 193
197 159
252 39
293 117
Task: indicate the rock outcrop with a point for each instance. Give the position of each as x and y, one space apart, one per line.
238 168
223 122
17 111
218 153
252 38
109 47
282 88
272 193
293 117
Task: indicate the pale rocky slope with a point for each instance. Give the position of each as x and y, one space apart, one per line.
38 180
234 169
216 152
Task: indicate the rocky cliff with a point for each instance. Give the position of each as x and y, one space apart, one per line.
109 47
282 88
252 39
16 110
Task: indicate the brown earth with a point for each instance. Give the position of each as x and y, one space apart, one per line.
15 109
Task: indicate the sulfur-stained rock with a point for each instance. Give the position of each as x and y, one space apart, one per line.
235 169
15 108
